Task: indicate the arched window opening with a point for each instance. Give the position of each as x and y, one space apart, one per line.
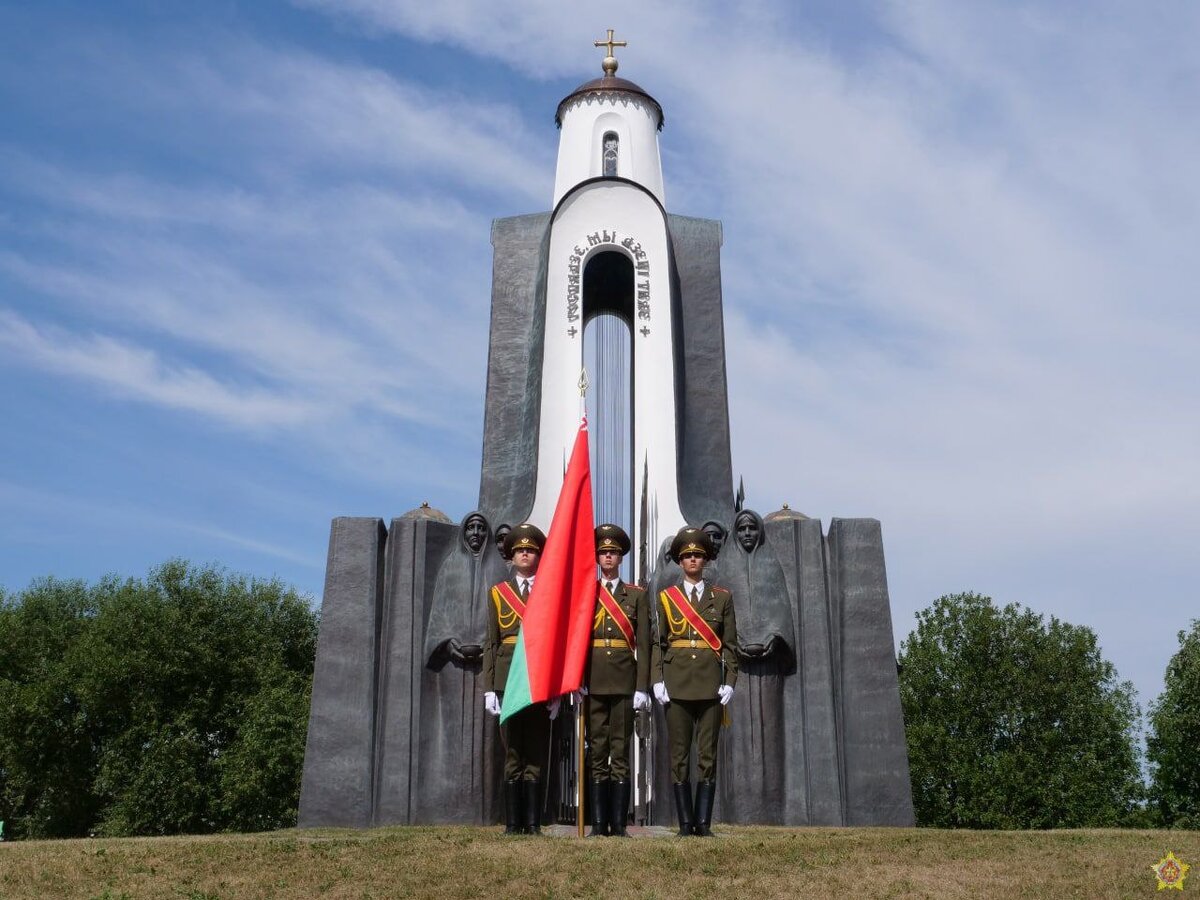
610 154
608 356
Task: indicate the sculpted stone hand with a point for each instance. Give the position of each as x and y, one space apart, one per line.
660 692
641 700
491 702
463 653
760 651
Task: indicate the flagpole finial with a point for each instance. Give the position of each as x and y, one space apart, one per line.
583 382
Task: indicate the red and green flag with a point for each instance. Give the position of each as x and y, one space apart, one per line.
556 631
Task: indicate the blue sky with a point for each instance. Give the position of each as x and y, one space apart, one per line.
245 267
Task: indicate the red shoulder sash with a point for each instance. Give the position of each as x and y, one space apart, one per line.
677 597
613 608
512 598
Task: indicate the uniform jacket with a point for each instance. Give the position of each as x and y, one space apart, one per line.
613 670
502 623
695 673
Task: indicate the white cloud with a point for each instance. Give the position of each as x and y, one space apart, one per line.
140 372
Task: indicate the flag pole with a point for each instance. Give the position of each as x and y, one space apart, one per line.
579 736
579 769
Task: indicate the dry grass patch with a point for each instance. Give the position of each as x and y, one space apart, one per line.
470 862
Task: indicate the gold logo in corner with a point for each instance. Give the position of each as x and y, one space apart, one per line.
1170 872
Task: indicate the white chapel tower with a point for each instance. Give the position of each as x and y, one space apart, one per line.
619 286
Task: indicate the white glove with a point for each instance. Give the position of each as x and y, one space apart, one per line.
641 700
491 703
552 706
725 692
582 692
660 692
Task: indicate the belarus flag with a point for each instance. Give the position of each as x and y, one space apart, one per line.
556 632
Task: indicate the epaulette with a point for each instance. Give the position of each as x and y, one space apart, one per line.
721 590
638 586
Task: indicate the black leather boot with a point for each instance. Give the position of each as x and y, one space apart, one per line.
706 793
683 808
512 808
620 808
533 806
600 803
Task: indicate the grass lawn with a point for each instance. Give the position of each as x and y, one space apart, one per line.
446 862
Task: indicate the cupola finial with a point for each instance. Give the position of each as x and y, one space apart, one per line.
609 63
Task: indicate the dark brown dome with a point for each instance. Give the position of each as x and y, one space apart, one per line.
784 514
603 84
425 511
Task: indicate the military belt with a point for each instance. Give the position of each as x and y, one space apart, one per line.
610 642
695 642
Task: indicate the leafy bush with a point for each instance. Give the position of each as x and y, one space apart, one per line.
1013 722
178 703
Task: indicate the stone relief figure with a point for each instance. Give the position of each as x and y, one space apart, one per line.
717 533
459 760
754 752
502 531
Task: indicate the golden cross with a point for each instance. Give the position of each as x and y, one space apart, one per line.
610 61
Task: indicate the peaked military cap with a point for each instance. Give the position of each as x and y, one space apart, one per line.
692 540
524 537
612 537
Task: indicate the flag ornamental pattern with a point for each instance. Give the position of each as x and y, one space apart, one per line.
556 630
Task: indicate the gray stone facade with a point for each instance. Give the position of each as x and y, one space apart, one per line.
378 750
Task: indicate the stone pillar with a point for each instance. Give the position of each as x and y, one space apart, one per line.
337 788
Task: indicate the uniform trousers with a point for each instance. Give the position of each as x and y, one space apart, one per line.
526 737
693 718
610 733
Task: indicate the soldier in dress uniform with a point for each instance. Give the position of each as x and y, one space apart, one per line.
526 734
695 664
617 680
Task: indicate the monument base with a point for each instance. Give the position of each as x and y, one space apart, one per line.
394 738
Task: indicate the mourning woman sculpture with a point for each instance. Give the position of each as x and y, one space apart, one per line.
459 752
754 752
717 533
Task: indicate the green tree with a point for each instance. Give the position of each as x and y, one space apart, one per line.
1013 722
1173 744
173 704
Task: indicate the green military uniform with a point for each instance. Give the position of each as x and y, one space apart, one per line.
526 734
693 674
615 670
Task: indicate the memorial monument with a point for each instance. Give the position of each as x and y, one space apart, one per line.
610 280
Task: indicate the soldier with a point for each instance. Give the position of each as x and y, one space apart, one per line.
695 661
526 734
617 680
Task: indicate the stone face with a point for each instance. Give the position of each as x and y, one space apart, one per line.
337 787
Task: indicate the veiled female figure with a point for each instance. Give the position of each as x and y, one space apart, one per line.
717 533
753 752
460 756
